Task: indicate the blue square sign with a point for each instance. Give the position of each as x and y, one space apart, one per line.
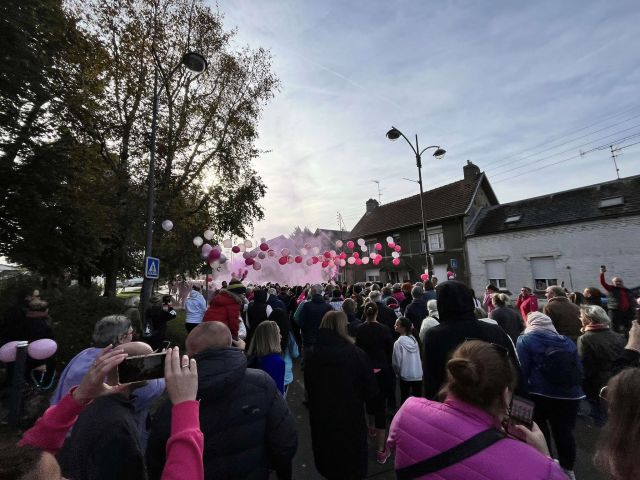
152 267
453 263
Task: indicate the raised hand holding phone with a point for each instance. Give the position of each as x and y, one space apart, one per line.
180 376
92 385
534 437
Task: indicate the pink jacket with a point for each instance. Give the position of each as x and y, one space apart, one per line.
422 429
184 448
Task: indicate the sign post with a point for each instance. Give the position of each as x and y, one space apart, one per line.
152 268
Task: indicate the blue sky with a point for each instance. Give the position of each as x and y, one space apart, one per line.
512 86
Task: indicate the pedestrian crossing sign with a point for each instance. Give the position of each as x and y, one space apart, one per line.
152 267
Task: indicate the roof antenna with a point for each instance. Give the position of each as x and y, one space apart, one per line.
379 193
613 157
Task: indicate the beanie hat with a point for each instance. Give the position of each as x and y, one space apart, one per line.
236 286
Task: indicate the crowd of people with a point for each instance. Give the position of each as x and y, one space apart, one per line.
424 372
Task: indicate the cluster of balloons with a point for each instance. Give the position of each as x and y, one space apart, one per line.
38 350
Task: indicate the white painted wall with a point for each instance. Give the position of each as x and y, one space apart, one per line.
581 246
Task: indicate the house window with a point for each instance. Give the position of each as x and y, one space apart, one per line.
496 273
371 247
436 239
611 202
373 275
543 270
513 218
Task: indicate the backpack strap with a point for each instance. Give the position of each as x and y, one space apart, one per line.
454 455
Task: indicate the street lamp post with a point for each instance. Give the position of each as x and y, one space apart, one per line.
198 64
394 134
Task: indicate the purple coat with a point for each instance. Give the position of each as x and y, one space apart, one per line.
423 428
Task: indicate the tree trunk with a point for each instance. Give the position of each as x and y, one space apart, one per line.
111 274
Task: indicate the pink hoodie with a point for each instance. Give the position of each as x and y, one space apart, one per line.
184 448
422 429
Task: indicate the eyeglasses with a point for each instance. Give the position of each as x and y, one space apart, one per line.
603 393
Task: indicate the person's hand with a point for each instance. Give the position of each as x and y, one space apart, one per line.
241 344
92 385
180 377
603 269
634 337
535 438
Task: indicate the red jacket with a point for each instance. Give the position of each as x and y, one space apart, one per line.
527 305
225 307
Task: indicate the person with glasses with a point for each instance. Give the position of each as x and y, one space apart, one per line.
477 395
553 372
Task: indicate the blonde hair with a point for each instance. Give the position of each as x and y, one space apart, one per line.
337 321
265 340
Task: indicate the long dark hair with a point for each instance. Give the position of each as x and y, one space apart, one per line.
614 455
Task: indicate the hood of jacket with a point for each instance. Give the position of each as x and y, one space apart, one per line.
194 294
219 370
225 297
455 302
260 296
318 299
408 343
331 348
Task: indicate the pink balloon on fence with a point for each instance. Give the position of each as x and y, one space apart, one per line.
343 256
350 244
396 261
8 352
356 255
42 349
327 254
264 247
358 261
391 245
325 264
398 248
378 246
351 260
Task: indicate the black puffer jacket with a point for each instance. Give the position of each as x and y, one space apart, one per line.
247 426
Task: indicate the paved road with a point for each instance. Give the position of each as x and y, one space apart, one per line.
304 468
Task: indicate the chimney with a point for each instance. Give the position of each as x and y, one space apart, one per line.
471 172
372 205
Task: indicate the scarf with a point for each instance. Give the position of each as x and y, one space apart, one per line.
595 326
539 322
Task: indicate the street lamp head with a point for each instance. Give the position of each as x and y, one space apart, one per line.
439 153
393 134
194 62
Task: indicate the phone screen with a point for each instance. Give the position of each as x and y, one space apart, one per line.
520 413
144 367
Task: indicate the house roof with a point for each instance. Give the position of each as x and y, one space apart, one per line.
443 202
571 206
332 234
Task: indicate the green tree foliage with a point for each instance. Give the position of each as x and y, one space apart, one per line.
87 171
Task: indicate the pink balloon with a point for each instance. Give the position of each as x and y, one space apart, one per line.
327 254
8 352
298 259
284 252
424 277
358 261
249 261
377 261
257 265
246 254
309 261
398 248
392 245
307 246
271 253
396 261
325 264
42 349
343 256
235 249
282 260
264 247
356 255
213 255
378 246
290 259
314 260
350 244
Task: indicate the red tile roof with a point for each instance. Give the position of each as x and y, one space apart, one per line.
447 201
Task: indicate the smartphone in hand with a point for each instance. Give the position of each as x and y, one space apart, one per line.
141 368
520 413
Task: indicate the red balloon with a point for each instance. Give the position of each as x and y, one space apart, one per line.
298 259
213 255
249 261
396 261
356 255
391 245
327 254
314 260
235 249
282 260
378 246
350 244
343 256
264 247
358 261
398 248
325 264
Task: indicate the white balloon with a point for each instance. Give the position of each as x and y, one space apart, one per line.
395 254
339 244
343 262
361 241
365 260
332 253
215 263
226 243
290 259
197 241
206 248
257 265
304 251
242 247
389 239
222 259
351 260
167 225
316 250
363 248
208 234
373 255
248 244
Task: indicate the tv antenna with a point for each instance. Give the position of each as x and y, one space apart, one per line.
377 182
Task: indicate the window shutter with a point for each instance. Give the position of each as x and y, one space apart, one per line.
495 269
543 267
